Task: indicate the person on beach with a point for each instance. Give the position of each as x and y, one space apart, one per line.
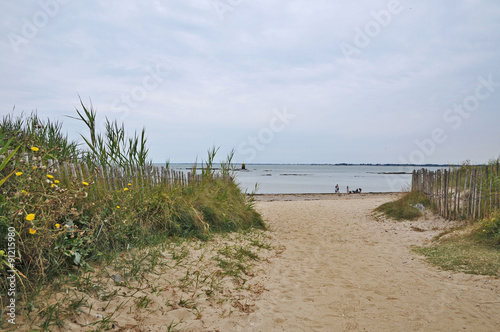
337 189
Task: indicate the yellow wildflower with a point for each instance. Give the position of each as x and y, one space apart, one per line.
118 206
125 189
129 184
24 192
57 225
34 149
30 217
52 185
32 231
56 181
19 173
50 176
85 183
34 167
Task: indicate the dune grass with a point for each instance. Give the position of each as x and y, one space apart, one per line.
474 251
63 225
404 207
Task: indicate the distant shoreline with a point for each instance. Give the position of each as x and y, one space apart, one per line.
316 196
327 164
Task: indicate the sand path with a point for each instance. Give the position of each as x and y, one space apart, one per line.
343 270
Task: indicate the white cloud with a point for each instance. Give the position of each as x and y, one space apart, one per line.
220 79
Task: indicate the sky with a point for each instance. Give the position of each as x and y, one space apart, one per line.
281 81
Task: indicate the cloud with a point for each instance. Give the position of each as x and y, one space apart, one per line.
195 76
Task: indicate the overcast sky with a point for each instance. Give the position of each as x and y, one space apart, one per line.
281 81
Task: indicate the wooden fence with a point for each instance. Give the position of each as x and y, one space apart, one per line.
460 193
115 178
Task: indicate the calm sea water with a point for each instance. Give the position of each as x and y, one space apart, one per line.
295 179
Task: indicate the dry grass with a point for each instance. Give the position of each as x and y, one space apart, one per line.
464 251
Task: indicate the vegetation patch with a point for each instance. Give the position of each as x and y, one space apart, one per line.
179 274
475 250
488 231
57 224
406 207
464 253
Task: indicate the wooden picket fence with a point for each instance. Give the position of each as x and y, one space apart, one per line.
461 193
115 178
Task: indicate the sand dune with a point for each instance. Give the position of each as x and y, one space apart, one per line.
333 266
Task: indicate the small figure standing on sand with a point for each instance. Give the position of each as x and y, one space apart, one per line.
337 189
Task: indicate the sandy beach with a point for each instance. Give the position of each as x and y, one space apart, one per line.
342 269
332 265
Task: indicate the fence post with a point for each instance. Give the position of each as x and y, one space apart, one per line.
455 194
446 193
469 196
474 200
100 175
79 171
464 204
480 206
489 176
425 173
438 197
413 180
431 182
496 187
459 177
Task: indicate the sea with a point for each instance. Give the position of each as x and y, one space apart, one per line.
319 179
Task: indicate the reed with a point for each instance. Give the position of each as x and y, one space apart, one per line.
113 147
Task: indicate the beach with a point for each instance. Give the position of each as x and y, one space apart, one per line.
332 265
342 269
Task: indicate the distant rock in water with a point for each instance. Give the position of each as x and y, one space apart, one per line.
389 172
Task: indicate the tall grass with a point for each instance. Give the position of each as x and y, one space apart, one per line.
30 130
112 147
62 224
405 208
7 157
